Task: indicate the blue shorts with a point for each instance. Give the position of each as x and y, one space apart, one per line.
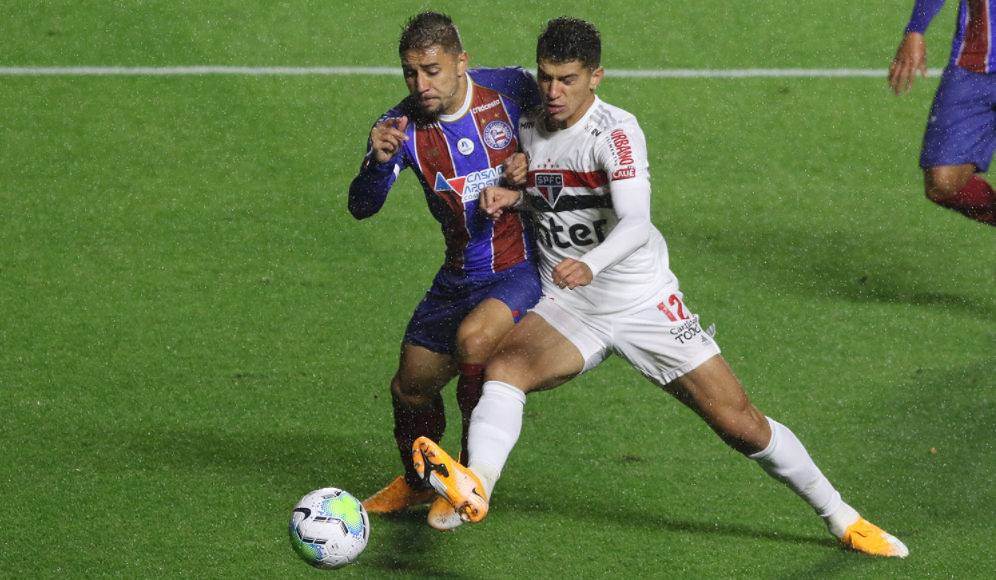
454 295
962 124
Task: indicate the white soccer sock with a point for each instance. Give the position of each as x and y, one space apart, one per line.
839 521
786 460
494 428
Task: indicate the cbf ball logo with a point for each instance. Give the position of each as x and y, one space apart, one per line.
497 135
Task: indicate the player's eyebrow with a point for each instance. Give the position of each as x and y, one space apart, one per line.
563 78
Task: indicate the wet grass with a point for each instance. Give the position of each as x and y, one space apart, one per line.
194 333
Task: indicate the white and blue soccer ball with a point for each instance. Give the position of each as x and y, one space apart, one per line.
329 528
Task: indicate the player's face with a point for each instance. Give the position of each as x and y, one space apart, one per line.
436 79
568 90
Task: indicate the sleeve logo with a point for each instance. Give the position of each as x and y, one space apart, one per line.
621 147
624 173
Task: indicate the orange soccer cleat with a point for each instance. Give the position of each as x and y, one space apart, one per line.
443 516
458 484
396 497
864 536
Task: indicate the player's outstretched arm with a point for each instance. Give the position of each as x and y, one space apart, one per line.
910 57
495 199
369 189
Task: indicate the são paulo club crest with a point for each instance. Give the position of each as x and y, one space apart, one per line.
497 135
550 185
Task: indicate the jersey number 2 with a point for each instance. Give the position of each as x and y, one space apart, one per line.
674 302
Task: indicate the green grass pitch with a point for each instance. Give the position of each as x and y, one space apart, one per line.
194 332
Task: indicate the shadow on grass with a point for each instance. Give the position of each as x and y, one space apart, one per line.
413 547
654 522
292 459
292 464
836 264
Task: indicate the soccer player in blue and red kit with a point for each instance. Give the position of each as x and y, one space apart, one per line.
961 131
456 131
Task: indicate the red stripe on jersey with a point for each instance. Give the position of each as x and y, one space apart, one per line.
493 125
496 130
434 157
589 179
975 49
508 243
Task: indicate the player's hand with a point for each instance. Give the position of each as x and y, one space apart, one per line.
910 57
571 274
495 199
516 169
387 137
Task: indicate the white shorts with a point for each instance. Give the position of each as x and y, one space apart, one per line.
663 342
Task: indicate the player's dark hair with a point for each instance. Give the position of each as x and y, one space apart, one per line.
566 39
429 28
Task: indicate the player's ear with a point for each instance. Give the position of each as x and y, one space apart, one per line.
596 77
462 61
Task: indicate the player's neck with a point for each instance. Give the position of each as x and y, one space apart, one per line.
458 99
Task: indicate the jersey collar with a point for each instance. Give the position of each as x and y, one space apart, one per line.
464 107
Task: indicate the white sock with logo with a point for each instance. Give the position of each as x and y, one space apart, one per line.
494 428
786 460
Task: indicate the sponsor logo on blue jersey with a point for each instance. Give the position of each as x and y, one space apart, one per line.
470 186
465 146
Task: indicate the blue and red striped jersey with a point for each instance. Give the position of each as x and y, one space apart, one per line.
972 48
454 159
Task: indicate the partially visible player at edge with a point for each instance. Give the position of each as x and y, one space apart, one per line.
961 129
608 288
456 131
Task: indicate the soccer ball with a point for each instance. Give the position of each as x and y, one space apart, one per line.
329 528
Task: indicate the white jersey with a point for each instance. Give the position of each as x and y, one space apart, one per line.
589 186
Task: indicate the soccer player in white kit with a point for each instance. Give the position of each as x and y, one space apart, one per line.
608 289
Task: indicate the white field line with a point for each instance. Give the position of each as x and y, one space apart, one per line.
392 71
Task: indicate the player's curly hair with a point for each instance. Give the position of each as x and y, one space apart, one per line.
566 39
429 28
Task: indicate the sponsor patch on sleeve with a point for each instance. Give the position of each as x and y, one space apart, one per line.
624 173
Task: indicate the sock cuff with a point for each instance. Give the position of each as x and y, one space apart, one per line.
468 369
976 195
504 390
977 183
770 449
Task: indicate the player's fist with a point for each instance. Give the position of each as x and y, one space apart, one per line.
571 274
495 199
516 167
387 137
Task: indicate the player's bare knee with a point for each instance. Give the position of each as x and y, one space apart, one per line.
411 393
945 181
475 345
396 389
